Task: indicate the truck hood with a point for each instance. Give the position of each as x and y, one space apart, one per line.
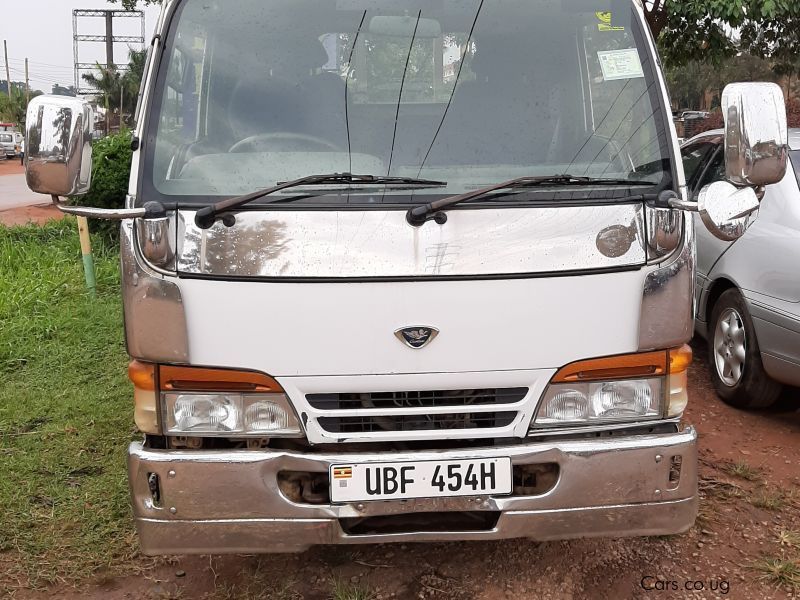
322 293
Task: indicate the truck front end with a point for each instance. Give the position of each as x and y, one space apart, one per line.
312 365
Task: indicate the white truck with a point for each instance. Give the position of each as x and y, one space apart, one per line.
408 270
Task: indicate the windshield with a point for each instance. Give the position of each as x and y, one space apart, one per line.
471 92
6 137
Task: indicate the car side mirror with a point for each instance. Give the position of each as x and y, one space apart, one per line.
756 155
726 210
756 133
58 145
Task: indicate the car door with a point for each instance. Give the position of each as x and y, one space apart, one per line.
703 163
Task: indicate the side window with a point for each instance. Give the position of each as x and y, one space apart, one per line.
715 171
693 158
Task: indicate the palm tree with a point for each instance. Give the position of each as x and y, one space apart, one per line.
115 86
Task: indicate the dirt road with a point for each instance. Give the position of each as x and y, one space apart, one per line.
19 205
749 524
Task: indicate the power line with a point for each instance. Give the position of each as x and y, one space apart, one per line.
34 62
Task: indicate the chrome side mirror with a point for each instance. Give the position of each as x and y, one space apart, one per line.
756 133
726 210
58 145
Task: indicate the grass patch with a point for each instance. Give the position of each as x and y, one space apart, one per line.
779 571
716 488
343 590
742 470
257 583
769 499
65 410
790 539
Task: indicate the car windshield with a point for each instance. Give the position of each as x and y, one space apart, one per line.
6 137
471 92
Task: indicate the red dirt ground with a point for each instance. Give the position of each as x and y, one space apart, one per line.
25 214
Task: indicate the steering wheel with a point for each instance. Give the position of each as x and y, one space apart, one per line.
308 140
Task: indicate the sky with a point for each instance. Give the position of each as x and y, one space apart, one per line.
41 30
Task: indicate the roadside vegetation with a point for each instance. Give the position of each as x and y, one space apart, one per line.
65 418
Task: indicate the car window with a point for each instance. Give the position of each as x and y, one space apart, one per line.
795 159
715 171
693 157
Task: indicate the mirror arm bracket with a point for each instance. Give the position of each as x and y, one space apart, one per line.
150 210
684 205
669 199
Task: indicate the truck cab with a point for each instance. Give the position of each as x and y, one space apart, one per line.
407 271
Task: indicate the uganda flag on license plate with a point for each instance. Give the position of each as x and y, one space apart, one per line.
342 472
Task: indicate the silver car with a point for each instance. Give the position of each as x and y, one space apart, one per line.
8 146
748 291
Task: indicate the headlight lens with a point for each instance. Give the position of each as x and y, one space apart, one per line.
203 413
601 402
229 414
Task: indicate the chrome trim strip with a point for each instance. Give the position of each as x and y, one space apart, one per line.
253 536
668 308
155 322
347 244
535 432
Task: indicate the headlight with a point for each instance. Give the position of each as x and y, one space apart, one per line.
199 401
608 401
618 389
267 415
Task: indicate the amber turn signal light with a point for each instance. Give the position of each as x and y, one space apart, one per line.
174 378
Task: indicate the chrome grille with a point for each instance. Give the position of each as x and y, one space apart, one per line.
429 410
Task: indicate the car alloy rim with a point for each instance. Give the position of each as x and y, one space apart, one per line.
730 347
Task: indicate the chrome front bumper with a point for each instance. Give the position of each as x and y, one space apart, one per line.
230 502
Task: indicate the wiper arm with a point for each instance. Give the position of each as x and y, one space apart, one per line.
207 216
421 214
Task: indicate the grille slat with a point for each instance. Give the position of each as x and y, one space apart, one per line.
471 409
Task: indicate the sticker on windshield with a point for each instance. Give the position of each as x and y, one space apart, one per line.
620 64
605 22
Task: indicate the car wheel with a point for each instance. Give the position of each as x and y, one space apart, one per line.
734 357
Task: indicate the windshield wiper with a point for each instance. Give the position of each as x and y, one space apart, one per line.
433 210
207 216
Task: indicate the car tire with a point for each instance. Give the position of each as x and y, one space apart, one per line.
734 359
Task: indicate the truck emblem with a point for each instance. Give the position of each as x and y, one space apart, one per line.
416 337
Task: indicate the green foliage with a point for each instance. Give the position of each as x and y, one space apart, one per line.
65 410
131 4
702 30
111 167
13 107
689 82
114 86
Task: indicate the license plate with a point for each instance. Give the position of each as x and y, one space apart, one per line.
420 479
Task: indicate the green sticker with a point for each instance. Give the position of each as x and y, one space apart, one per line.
605 22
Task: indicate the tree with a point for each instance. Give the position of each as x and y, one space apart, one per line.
60 90
115 86
13 107
712 30
131 4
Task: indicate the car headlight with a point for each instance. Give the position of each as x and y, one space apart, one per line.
227 414
630 388
619 400
210 402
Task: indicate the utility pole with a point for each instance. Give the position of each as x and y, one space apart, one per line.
27 84
8 73
121 95
109 38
